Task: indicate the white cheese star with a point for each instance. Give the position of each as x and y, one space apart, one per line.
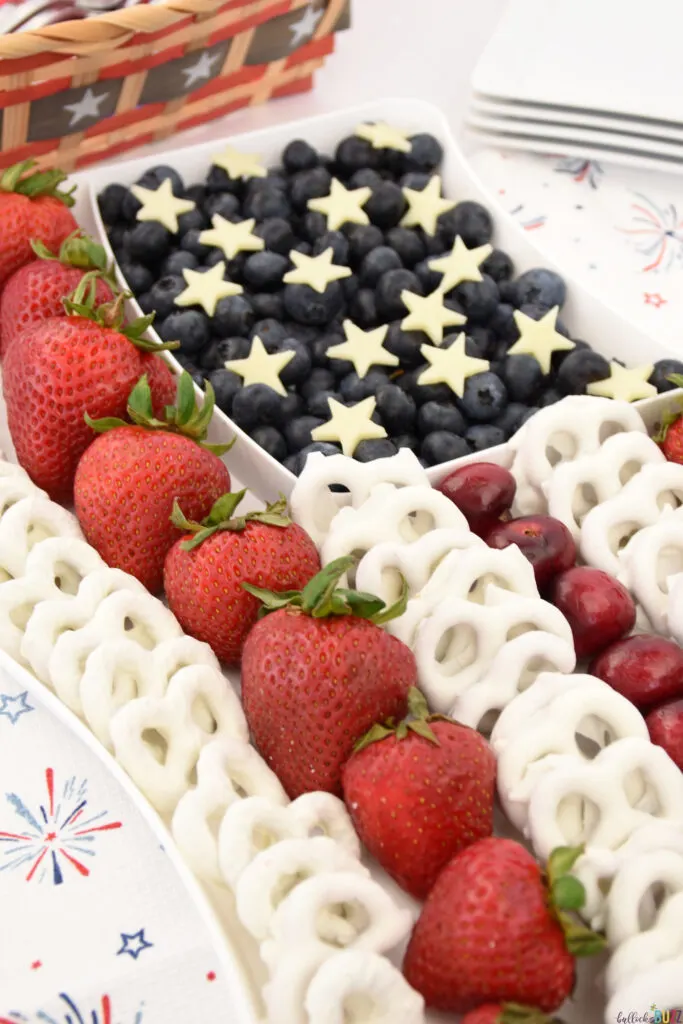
426 206
239 165
315 271
206 288
161 205
538 338
342 205
625 384
461 264
382 136
349 424
363 348
450 366
428 314
232 238
260 367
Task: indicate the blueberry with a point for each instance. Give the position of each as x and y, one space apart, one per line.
197 193
178 261
267 305
269 331
428 278
498 266
313 226
326 447
223 204
190 243
386 205
192 219
470 220
319 379
263 271
233 316
396 408
129 207
138 278
663 369
426 153
407 245
377 262
311 184
319 404
256 406
277 235
580 368
478 299
435 245
508 292
365 178
528 414
337 242
390 305
153 177
118 239
297 369
163 294
482 338
549 397
415 180
405 344
190 327
363 238
542 288
213 257
424 392
511 418
354 388
146 303
219 351
354 153
307 306
291 406
218 180
298 431
235 268
523 378
442 446
299 155
503 325
484 435
149 243
484 397
363 308
350 288
293 464
226 384
339 367
304 332
375 448
406 441
435 416
271 440
110 201
267 201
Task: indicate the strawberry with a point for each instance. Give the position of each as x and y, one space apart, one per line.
507 1013
61 367
37 290
495 929
203 573
670 434
419 793
129 478
317 672
161 379
32 207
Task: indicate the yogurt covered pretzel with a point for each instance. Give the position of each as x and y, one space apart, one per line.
25 524
650 560
638 954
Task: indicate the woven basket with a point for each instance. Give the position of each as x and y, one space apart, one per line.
82 91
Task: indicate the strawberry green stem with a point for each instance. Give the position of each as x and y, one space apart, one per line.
112 314
22 180
566 895
78 250
221 517
417 722
513 1013
322 598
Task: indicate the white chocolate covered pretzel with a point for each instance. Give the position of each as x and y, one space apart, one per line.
645 949
27 523
650 559
660 985
357 987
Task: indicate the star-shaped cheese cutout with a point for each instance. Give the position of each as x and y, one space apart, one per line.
363 348
461 264
239 165
342 205
261 367
624 384
450 366
382 136
315 271
232 238
538 338
349 424
428 314
161 205
206 288
426 206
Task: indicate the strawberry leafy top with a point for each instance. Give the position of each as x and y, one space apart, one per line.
416 722
321 598
221 517
78 250
669 418
566 895
513 1013
24 181
112 314
185 417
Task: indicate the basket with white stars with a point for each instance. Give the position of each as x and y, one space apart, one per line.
82 91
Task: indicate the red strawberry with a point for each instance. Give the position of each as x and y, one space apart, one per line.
495 930
33 207
131 475
203 574
162 381
317 672
37 291
420 793
670 434
508 1013
62 367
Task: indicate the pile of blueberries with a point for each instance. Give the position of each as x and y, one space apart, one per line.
385 259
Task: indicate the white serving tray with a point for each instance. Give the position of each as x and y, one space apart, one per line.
584 313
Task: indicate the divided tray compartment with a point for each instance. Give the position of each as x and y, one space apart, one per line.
585 314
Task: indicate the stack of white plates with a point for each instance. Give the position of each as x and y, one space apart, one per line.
601 79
